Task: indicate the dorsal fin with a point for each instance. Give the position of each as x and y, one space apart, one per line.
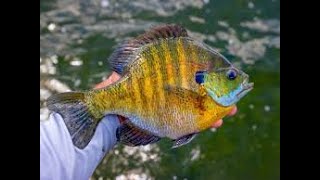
161 32
128 51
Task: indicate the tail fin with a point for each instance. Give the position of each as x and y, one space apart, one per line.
80 123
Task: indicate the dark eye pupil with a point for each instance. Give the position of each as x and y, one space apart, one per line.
232 75
200 77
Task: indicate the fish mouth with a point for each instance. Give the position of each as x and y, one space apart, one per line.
246 87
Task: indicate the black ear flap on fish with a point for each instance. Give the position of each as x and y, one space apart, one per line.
131 135
183 140
80 123
128 51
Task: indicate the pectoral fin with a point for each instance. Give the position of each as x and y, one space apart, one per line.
181 92
131 135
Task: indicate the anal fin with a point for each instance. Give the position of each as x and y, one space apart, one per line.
183 140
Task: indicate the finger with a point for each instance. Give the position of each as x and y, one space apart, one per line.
114 77
217 124
233 111
104 83
121 119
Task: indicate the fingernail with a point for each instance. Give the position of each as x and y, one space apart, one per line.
233 111
217 124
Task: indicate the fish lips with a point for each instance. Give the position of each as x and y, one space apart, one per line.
246 87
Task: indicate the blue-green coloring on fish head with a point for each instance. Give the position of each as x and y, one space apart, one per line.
223 82
225 85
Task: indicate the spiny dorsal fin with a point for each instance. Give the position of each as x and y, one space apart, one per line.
128 51
161 32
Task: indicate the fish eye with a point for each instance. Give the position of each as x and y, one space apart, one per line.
232 74
199 77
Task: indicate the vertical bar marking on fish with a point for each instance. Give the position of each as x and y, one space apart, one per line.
183 63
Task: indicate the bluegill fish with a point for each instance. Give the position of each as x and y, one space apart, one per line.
172 86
